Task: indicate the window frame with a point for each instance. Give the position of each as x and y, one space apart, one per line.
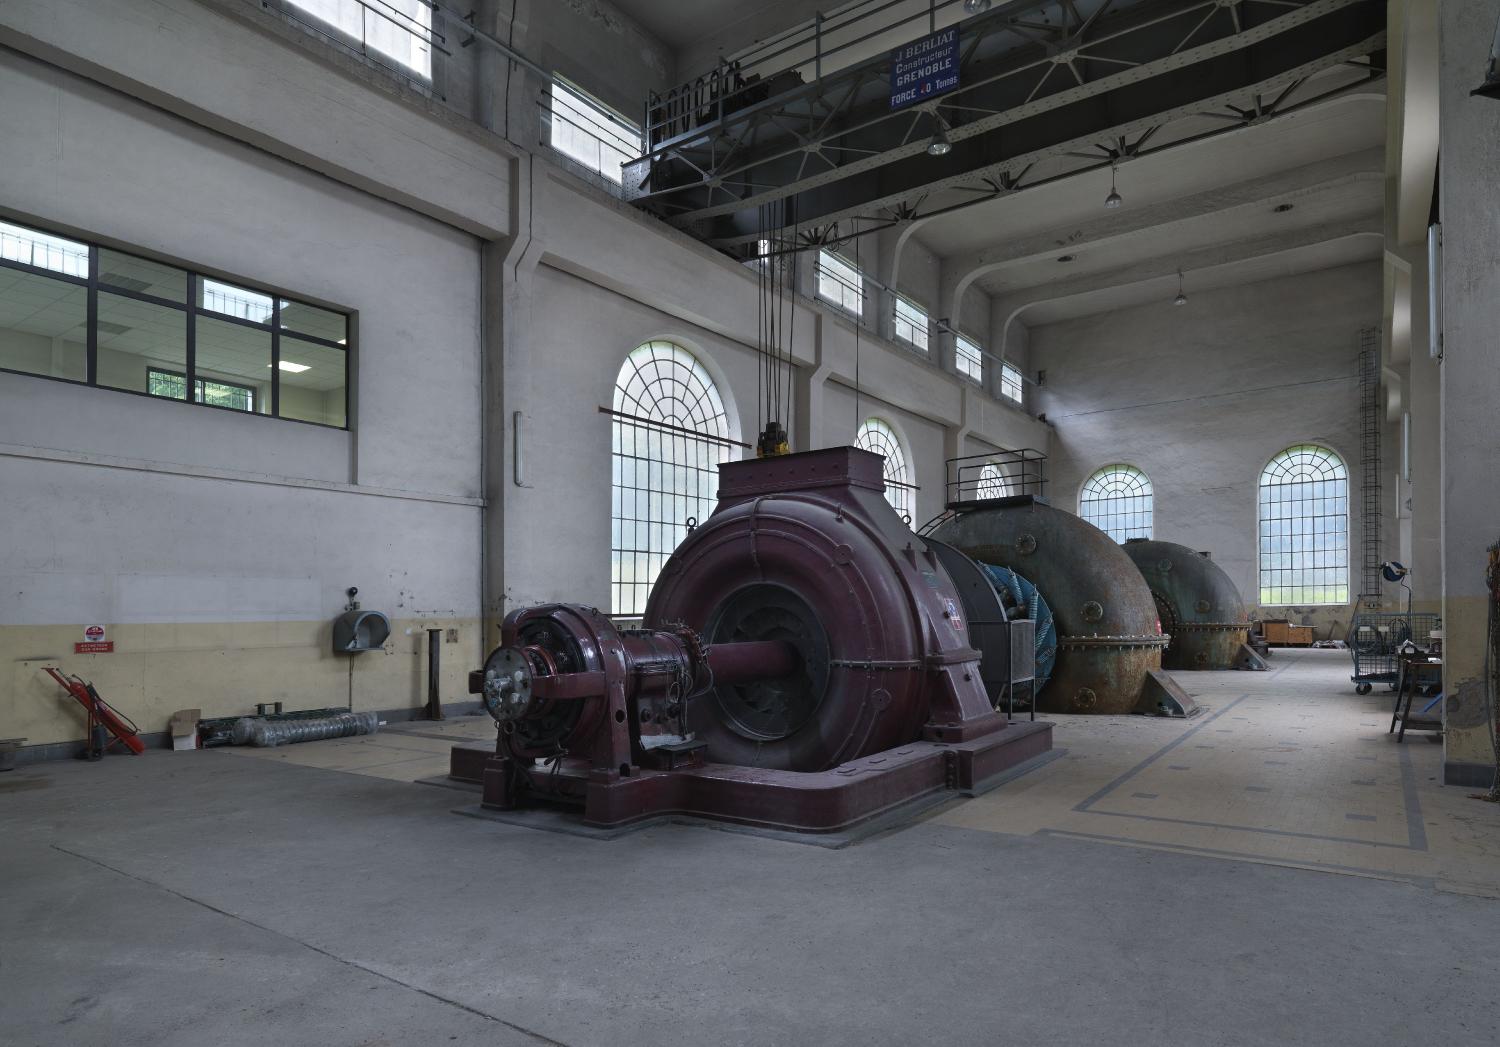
925 345
1262 554
197 381
1149 493
191 310
857 288
1010 375
582 99
906 488
962 361
652 375
317 24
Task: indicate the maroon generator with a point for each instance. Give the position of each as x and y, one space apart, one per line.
807 663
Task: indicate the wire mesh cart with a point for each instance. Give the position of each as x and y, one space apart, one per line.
1375 639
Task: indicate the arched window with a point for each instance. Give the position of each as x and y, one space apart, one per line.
1304 528
670 434
877 435
1117 500
992 482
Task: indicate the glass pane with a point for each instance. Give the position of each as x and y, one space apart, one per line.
313 379
43 250
240 302
136 338
309 319
232 364
589 133
138 274
43 325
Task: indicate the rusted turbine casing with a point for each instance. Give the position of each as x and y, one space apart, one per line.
1199 606
1108 638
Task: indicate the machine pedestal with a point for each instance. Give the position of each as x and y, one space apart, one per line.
820 802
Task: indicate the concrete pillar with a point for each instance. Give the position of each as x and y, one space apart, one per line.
1421 487
882 296
1470 381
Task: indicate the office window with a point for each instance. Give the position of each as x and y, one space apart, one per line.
877 435
395 29
911 324
840 283
968 358
43 325
161 330
589 132
1117 500
137 337
1012 387
1304 528
670 434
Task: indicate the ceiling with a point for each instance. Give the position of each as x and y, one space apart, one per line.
727 25
1209 207
1198 199
1340 127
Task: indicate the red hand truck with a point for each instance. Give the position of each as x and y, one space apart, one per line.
100 712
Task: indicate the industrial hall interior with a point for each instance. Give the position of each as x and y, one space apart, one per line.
648 522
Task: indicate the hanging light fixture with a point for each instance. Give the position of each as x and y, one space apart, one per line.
940 145
1181 298
1114 199
976 7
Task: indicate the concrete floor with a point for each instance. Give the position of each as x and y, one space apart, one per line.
1276 871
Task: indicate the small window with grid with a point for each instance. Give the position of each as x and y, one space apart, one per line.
840 283
968 358
911 324
1012 387
1304 528
1117 500
589 132
396 29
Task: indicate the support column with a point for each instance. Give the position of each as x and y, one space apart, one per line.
1470 380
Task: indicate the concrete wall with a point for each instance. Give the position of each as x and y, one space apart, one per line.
214 546
602 280
1200 397
484 281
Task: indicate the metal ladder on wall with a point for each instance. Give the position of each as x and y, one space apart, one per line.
1369 456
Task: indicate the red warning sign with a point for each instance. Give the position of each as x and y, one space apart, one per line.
94 642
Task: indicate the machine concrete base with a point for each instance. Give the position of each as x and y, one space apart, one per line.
838 801
559 819
1163 696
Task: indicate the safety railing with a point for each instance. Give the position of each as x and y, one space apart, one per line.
790 59
978 478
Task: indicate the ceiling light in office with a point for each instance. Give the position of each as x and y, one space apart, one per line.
976 7
287 365
1284 208
1114 199
1065 258
1181 298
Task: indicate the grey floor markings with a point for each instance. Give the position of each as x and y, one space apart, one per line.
1416 833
